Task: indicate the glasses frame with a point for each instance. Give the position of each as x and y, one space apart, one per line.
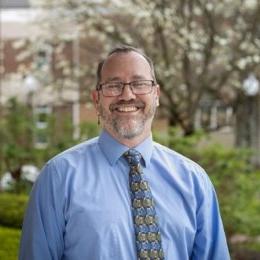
123 84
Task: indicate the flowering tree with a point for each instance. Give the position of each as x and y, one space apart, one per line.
199 47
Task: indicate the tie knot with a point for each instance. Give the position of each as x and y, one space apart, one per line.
133 157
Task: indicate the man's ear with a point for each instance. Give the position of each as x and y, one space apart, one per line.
158 92
95 98
157 101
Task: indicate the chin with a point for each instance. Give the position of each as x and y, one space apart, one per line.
129 129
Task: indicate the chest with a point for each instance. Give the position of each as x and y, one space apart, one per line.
99 202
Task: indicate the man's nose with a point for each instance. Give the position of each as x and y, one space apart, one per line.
127 93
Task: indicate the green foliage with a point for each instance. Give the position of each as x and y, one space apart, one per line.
16 137
9 241
20 186
175 140
12 209
237 184
88 130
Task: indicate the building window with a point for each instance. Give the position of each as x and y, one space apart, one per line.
43 63
42 115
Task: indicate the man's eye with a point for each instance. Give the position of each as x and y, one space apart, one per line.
112 86
138 84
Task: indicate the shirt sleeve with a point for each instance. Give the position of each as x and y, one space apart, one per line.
42 232
210 240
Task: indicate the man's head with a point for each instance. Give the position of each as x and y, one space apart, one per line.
121 50
126 94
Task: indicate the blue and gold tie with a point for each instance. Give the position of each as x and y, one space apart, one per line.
148 238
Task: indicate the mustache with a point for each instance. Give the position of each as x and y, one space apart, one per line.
138 104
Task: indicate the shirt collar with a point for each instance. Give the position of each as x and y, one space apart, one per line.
113 150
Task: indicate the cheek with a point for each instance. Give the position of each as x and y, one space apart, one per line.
105 104
150 102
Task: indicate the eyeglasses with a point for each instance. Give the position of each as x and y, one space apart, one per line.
138 87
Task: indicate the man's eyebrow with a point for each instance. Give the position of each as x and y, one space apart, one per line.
113 79
138 77
134 77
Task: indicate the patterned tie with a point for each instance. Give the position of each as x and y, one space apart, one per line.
148 238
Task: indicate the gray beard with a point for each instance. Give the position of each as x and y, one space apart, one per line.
128 129
125 128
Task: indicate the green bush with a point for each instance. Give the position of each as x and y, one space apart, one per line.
12 209
237 184
9 241
20 186
176 141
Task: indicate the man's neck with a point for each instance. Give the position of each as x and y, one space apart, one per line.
130 142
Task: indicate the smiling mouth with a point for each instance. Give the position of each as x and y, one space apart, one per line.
126 108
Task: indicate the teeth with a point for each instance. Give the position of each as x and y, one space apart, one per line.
127 109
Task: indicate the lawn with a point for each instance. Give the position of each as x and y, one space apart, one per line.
9 241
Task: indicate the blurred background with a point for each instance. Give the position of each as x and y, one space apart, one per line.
207 60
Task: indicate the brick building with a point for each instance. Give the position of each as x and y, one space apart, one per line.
16 70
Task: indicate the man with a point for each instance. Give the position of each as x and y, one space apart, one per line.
122 196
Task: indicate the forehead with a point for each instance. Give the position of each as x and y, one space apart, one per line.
124 66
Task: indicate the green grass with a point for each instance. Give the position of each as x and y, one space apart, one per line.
9 243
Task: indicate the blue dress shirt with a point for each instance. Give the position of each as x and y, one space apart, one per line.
79 208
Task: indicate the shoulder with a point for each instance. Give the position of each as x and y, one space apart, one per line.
78 149
62 170
175 157
183 171
72 156
180 164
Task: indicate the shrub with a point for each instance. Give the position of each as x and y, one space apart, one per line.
9 243
12 209
237 184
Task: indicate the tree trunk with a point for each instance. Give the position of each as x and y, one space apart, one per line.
187 125
16 173
248 126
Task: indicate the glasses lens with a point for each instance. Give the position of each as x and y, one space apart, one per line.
141 86
112 89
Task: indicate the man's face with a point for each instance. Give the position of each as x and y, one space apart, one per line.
128 115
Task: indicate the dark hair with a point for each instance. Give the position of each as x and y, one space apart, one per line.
123 49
